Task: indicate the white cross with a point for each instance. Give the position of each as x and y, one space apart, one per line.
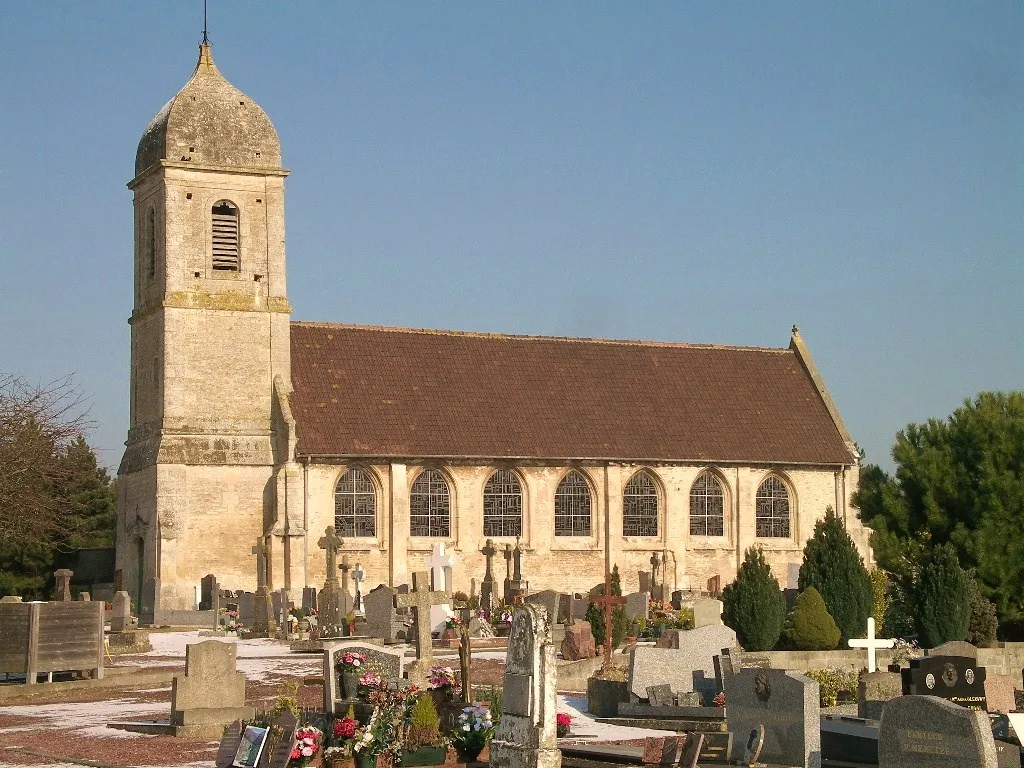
358 574
871 643
437 562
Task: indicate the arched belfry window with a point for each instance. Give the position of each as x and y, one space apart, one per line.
503 504
572 506
224 217
707 506
640 506
773 509
430 506
150 241
355 505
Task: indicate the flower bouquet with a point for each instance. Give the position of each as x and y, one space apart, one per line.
719 700
351 668
472 731
342 734
562 724
307 745
351 661
369 681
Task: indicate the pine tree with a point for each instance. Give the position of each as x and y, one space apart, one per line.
754 605
943 599
836 570
983 624
813 628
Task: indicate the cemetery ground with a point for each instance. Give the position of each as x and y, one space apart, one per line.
55 727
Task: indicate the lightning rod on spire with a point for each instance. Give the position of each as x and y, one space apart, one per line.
206 39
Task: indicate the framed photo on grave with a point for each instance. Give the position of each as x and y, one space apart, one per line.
250 748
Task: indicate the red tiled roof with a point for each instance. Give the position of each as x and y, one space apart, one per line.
396 392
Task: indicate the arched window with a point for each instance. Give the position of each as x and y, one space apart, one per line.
503 504
640 506
572 506
430 506
225 236
355 505
773 509
707 506
150 241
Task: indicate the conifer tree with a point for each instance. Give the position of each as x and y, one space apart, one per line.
943 599
754 605
813 628
834 567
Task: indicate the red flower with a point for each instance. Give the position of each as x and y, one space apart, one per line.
344 728
296 754
563 719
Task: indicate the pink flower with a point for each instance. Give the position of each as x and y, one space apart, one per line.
307 751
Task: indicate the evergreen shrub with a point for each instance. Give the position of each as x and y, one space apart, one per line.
813 628
754 606
943 599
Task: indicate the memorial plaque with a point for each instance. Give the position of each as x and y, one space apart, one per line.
929 732
518 692
661 696
282 739
229 745
955 678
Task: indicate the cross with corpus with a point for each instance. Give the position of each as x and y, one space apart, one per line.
331 543
607 603
420 600
871 643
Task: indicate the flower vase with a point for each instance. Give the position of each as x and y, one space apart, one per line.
342 762
364 760
350 684
468 754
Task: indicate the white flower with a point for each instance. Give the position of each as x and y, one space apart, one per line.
465 727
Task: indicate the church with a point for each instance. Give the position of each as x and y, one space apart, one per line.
247 427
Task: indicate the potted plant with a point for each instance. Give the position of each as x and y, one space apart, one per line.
339 754
501 619
442 684
451 628
351 669
423 742
472 732
562 724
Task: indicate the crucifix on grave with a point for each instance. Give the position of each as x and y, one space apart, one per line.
358 574
331 544
655 565
508 573
329 600
608 603
420 600
872 644
487 586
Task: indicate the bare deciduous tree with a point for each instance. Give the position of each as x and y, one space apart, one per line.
37 423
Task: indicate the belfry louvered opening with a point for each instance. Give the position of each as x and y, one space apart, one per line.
225 236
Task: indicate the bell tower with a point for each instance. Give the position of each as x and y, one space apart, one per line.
210 359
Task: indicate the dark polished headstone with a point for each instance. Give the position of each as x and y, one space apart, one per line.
957 679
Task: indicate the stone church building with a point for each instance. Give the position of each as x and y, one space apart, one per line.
246 425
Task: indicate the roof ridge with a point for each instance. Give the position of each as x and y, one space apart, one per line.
538 337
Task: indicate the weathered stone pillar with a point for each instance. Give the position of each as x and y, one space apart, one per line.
398 546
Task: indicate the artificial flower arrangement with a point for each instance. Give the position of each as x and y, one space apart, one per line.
719 700
452 622
307 744
441 677
473 730
370 681
562 724
352 661
342 734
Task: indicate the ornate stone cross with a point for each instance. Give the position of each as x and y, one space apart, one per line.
488 552
871 644
358 574
260 550
420 600
517 555
487 586
331 543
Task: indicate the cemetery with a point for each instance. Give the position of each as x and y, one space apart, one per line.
420 675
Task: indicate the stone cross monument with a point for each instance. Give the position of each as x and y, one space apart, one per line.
508 573
329 599
358 574
420 600
487 586
62 588
346 598
263 624
871 644
526 736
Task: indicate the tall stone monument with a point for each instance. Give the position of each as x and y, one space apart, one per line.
62 586
487 585
420 600
329 599
526 736
263 624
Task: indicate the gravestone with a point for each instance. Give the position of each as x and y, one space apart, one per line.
507 591
786 704
207 588
929 732
487 590
715 585
62 586
246 602
121 613
84 597
550 599
381 614
999 696
479 627
684 658
358 576
210 694
420 601
389 663
646 584
578 642
957 679
661 696
638 605
309 599
954 648
677 600
519 584
10 599
707 613
263 608
572 606
660 751
871 644
691 750
440 580
346 598
526 736
329 599
874 689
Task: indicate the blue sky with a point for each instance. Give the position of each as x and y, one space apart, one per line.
701 172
